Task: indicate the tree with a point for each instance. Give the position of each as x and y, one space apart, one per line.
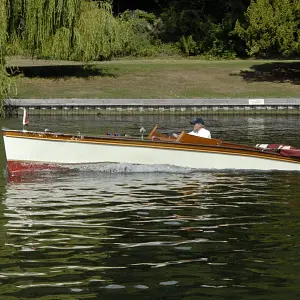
271 27
59 29
120 6
4 77
209 24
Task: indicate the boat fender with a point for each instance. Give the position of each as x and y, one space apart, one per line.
273 147
290 152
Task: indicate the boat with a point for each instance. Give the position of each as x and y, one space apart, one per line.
33 150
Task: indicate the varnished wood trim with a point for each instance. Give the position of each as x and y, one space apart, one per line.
152 132
192 139
179 138
156 135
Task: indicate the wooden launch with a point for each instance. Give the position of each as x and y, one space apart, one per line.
32 150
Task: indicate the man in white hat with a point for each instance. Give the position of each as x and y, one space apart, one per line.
199 129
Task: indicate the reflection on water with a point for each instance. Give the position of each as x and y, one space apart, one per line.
186 235
257 126
144 233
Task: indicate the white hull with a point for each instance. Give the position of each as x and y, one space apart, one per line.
26 150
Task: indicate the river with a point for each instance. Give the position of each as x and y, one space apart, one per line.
152 232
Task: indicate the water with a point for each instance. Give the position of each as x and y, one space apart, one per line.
150 232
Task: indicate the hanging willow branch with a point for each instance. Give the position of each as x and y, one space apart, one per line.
72 29
59 29
4 77
98 34
46 18
66 29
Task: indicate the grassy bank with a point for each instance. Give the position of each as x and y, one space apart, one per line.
156 79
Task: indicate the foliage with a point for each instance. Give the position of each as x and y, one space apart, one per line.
203 26
187 45
98 35
220 50
59 29
152 6
4 78
65 29
145 28
3 31
271 27
90 29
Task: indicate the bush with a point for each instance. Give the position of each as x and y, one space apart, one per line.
145 30
219 50
187 45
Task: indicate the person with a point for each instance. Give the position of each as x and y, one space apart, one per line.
199 129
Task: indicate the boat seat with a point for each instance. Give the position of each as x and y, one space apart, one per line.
192 139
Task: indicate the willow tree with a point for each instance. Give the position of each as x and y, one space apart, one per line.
59 29
4 78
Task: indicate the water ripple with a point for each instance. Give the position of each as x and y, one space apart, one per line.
92 233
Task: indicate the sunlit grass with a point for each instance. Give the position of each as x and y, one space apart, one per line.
157 79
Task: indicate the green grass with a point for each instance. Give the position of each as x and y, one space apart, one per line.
157 78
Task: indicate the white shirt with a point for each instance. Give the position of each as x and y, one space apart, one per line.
202 133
